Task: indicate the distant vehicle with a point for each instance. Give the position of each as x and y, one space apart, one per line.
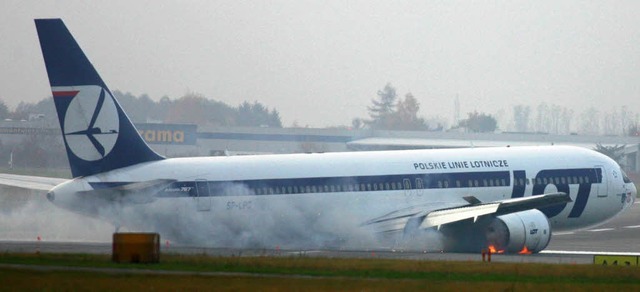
510 199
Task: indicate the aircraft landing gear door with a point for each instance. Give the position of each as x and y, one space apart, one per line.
203 197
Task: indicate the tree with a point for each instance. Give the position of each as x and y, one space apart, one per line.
406 115
4 110
382 109
479 122
357 123
521 117
589 122
256 115
615 152
543 118
634 130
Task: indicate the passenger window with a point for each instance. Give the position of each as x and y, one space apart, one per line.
446 183
457 183
419 183
586 179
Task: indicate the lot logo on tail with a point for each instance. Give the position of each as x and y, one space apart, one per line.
91 123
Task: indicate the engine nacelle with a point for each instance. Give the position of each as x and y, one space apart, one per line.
527 230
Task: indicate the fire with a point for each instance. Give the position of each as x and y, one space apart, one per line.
525 250
493 249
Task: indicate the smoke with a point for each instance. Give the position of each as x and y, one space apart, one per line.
312 221
259 223
25 217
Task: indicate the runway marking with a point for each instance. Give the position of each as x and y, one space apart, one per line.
601 229
563 233
581 252
632 226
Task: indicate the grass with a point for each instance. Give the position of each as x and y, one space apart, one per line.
304 273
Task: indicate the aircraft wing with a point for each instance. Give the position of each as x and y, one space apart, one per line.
30 182
429 217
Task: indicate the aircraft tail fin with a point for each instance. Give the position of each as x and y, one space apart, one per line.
97 133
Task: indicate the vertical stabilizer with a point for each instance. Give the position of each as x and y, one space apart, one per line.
97 133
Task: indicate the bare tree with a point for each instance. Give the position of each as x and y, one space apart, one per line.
521 115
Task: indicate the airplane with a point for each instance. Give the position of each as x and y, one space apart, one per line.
510 199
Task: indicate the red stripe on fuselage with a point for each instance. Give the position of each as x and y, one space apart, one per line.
65 93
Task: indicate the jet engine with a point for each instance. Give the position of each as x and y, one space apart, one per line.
526 232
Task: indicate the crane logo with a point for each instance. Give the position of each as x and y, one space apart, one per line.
91 122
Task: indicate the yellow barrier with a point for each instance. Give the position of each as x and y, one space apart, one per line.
136 248
615 260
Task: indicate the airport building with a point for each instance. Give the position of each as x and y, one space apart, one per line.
180 140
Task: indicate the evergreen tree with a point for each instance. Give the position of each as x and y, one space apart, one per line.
383 108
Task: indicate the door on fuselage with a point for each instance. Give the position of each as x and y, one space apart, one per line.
601 190
203 196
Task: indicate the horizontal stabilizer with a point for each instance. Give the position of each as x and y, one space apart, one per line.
30 182
131 193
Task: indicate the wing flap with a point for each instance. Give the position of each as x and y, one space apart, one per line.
440 217
430 217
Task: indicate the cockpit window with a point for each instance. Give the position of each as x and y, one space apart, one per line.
625 178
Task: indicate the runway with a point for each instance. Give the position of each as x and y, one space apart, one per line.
619 236
622 234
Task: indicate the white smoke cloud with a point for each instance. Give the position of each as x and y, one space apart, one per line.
315 222
25 218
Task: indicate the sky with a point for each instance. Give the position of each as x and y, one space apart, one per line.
321 62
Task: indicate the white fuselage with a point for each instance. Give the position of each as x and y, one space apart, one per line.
336 192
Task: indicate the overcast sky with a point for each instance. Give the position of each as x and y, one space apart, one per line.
321 62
